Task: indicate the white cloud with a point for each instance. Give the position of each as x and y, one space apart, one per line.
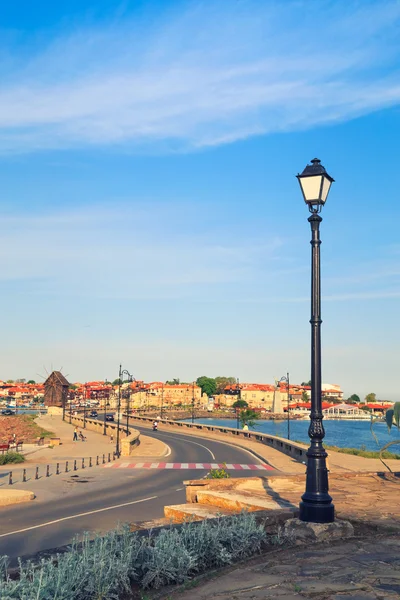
211 75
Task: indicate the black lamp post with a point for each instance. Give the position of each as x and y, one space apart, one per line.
287 381
193 402
122 372
316 505
238 408
130 379
84 406
70 408
105 393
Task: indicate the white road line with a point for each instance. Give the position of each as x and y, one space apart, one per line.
168 452
196 443
91 512
179 489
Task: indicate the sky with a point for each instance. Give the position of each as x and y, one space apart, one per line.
149 210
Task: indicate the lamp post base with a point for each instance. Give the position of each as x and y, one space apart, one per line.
317 512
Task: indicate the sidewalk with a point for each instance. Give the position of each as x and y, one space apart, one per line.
354 569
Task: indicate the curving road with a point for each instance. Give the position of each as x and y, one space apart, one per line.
99 499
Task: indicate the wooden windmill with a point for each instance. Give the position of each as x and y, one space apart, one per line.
56 389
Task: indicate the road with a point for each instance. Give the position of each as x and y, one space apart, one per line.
100 499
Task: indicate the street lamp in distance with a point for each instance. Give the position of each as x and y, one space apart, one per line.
286 380
316 504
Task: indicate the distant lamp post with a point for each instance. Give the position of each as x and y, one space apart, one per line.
238 408
316 505
84 406
193 402
287 381
122 372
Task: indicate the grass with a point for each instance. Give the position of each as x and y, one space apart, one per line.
360 452
41 432
11 458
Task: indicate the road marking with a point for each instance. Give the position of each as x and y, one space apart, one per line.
192 442
85 514
193 466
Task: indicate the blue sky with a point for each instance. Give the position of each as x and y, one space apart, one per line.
149 208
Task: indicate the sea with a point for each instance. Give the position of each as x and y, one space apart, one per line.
341 433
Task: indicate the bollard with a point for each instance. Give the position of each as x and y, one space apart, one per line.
10 478
109 457
75 465
66 466
24 475
97 461
47 471
83 463
37 473
58 469
90 461
104 459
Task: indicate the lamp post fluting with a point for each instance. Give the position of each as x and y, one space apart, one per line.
316 504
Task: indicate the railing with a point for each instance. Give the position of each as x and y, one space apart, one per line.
297 451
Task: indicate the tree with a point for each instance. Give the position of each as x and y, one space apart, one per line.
354 399
304 396
370 398
207 385
307 383
249 417
10 381
222 382
32 381
174 381
117 382
240 404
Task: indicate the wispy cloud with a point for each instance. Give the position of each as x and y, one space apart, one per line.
207 75
141 253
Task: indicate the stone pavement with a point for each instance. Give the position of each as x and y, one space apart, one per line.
354 569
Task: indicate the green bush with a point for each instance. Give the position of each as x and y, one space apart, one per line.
218 473
11 458
107 567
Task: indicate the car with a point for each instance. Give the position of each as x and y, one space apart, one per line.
109 417
94 414
7 412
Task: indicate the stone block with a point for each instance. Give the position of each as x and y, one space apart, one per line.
303 532
9 497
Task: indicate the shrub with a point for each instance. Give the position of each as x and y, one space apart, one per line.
106 568
218 473
11 458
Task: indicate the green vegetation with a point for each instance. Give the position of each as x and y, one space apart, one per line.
32 381
208 385
11 458
240 404
354 399
35 429
221 473
370 398
248 417
108 567
304 396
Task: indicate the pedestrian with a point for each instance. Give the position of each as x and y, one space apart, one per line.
75 435
245 429
112 438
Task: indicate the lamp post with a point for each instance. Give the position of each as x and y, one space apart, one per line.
122 372
286 380
316 505
130 379
238 409
84 406
105 392
193 402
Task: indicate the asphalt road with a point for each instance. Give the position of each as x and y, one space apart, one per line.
100 499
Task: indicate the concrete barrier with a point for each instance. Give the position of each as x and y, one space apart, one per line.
9 497
129 443
293 449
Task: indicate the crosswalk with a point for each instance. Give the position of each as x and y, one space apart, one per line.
188 466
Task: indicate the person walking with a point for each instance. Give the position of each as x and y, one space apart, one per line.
75 435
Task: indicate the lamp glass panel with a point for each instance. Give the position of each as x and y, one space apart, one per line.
325 189
311 187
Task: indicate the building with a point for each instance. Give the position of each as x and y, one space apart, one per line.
56 390
345 411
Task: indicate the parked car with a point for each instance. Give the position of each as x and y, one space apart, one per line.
7 412
109 417
94 414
